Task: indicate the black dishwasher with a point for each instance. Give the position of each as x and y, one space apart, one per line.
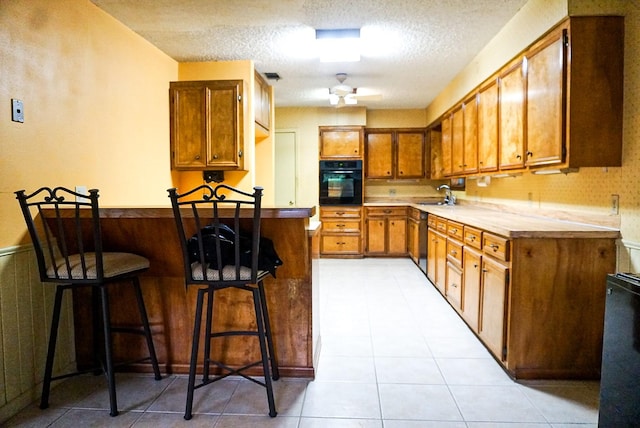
620 377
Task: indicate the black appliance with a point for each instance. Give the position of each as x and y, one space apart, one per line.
619 391
422 242
341 182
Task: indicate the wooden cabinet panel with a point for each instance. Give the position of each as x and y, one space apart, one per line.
376 236
410 149
445 147
435 144
457 141
545 85
493 316
262 102
470 135
488 127
341 142
441 263
205 123
379 155
454 286
386 231
397 235
341 231
413 239
511 125
471 280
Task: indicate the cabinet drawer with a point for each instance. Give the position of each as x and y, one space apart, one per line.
455 230
431 221
495 246
340 212
473 237
346 225
454 286
441 225
340 244
454 251
386 211
416 214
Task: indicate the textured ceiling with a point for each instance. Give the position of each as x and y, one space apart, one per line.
411 48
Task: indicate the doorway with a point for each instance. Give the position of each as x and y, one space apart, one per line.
286 168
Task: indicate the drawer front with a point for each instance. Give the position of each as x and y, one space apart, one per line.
495 246
455 230
346 225
416 214
340 244
340 212
386 211
473 237
431 221
441 225
454 286
454 252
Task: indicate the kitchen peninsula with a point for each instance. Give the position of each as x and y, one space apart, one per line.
291 297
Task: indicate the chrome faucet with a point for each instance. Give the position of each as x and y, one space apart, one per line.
449 199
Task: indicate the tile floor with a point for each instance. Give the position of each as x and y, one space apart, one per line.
394 355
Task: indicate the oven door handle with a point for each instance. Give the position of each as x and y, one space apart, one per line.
341 171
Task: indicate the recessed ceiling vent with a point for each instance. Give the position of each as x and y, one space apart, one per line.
272 76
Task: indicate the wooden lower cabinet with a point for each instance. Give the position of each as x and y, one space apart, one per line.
386 231
537 304
341 231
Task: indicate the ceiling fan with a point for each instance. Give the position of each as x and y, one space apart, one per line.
343 95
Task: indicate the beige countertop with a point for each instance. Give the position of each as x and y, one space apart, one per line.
508 224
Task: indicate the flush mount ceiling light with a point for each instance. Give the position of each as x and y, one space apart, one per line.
342 45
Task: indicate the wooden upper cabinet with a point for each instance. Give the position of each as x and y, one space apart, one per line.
446 146
411 154
575 93
457 141
545 83
488 127
470 135
262 103
206 125
434 136
379 154
341 142
395 153
511 117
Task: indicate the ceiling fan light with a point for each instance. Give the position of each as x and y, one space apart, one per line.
334 99
338 45
350 101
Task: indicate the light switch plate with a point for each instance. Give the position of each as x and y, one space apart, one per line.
17 111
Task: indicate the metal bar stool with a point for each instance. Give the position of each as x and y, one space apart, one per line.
219 233
64 227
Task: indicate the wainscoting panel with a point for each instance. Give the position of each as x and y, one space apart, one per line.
25 319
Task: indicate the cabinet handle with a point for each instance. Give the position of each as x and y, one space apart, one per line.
518 157
340 225
340 213
215 156
495 247
471 238
197 157
529 154
454 253
387 211
401 172
475 265
454 231
240 153
454 285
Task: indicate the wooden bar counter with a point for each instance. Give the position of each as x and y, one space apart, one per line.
151 232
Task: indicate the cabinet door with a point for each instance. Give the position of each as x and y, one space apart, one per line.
471 277
413 239
512 118
432 243
397 235
488 127
341 142
545 118
454 286
470 136
376 235
435 148
441 262
446 146
494 306
379 155
224 117
410 154
188 126
457 141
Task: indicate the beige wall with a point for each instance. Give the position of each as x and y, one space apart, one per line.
96 107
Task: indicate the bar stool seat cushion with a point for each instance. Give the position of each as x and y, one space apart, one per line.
114 264
228 273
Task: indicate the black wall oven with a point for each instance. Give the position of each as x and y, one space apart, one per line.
341 182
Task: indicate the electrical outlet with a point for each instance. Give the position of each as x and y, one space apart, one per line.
615 204
392 192
17 111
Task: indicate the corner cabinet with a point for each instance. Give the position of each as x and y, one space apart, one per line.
206 125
